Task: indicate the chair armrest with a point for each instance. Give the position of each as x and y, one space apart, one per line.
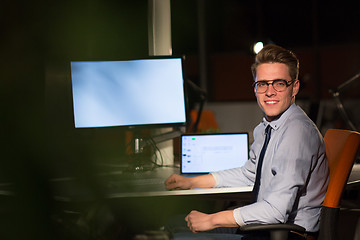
276 231
276 226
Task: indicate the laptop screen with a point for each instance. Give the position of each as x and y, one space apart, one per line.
210 152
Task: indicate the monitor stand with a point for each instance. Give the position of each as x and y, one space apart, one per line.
138 158
143 145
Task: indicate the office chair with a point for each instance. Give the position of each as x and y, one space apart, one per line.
341 150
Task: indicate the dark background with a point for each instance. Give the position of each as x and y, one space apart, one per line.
39 38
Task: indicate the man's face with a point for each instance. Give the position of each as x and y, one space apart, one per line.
271 102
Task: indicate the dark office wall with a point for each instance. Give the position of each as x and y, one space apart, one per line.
95 29
320 71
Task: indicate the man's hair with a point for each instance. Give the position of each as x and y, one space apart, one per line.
275 54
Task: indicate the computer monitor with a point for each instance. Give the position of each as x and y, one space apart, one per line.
141 92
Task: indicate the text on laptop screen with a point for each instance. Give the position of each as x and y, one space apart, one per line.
204 153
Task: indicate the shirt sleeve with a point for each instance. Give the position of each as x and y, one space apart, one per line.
237 217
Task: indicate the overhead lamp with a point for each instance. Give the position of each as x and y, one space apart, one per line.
257 47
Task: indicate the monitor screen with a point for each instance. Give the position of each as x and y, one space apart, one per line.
128 92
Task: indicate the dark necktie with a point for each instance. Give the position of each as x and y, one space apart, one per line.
259 166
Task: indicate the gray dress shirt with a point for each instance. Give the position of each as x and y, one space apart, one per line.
294 174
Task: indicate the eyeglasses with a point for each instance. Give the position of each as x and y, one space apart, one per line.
279 85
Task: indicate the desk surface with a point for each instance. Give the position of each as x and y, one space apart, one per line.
120 184
197 191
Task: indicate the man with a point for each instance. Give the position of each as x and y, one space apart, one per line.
294 171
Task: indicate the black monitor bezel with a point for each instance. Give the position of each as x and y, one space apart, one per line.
136 126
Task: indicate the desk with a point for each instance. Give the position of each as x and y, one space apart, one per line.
138 201
122 184
112 205
199 191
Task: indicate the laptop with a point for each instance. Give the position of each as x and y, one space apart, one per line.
211 152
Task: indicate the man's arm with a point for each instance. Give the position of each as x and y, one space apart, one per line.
197 221
175 181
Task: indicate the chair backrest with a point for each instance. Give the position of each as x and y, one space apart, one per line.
341 151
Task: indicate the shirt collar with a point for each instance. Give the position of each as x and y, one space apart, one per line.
280 121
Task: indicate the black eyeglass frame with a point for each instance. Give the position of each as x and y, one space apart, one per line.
271 82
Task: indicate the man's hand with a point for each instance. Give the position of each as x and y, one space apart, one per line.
198 222
175 181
